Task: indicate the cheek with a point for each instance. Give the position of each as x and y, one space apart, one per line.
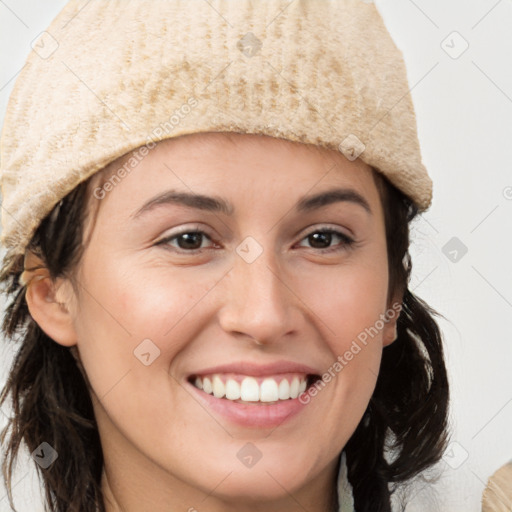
130 332
346 305
347 300
127 314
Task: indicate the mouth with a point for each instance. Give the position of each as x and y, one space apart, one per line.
254 390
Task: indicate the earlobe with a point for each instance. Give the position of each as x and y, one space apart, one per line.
390 330
390 334
52 316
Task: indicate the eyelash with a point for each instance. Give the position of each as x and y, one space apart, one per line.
347 242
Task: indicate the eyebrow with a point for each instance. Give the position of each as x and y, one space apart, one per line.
350 195
218 205
198 201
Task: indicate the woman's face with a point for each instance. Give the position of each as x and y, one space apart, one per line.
230 263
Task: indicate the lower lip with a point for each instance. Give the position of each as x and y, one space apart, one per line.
248 415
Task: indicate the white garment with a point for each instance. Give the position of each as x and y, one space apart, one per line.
345 496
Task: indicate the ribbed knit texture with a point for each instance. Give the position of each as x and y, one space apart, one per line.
129 72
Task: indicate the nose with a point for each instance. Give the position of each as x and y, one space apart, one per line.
258 302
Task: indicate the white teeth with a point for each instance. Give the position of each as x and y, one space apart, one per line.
249 390
268 391
284 390
219 389
294 388
207 386
232 390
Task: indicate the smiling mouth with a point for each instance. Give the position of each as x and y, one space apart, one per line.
247 389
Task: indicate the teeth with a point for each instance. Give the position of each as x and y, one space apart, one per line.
284 390
294 388
207 386
249 390
232 390
219 390
269 391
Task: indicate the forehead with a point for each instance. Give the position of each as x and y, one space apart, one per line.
224 145
234 164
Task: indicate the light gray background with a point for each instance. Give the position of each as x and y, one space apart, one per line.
464 113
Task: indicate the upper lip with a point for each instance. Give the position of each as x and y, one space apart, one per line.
258 370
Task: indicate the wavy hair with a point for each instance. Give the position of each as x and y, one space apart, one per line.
50 400
407 416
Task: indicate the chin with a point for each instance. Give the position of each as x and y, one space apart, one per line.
248 487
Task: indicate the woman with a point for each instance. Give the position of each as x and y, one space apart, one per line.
209 261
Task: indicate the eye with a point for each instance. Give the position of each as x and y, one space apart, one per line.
187 241
323 238
195 240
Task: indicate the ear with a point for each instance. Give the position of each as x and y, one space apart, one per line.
389 331
49 301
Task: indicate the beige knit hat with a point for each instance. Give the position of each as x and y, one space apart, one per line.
111 75
497 496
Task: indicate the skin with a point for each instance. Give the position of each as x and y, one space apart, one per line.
163 450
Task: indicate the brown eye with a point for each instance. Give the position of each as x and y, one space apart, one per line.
320 240
323 238
186 241
190 240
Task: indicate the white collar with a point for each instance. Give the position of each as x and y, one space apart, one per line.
345 496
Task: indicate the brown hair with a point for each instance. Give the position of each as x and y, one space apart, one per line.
51 402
